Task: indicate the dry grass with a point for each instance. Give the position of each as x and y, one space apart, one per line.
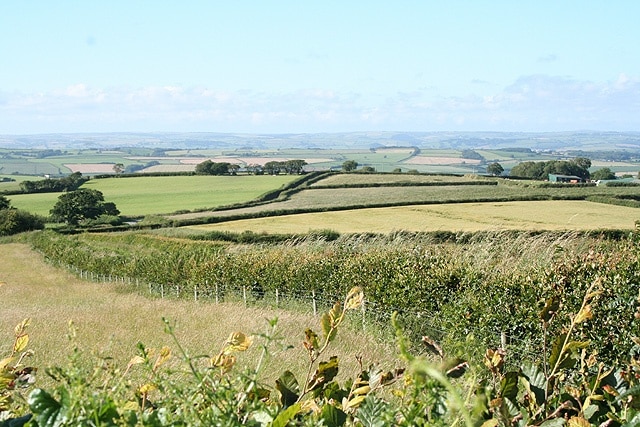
110 323
541 215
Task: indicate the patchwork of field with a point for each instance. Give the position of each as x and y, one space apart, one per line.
463 217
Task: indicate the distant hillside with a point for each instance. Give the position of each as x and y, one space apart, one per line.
555 141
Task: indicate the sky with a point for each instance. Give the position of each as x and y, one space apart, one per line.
318 66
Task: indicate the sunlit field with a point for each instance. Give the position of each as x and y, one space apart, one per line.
165 194
540 215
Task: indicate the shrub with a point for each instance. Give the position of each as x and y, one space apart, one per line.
13 221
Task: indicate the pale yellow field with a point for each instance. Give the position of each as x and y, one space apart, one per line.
543 215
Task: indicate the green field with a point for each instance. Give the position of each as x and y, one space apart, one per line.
165 194
468 217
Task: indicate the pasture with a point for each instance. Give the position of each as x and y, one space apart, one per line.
110 321
165 194
464 217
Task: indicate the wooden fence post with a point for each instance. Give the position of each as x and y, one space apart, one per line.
363 309
244 294
313 302
277 298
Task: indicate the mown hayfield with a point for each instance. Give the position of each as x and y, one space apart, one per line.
540 215
164 194
110 322
369 179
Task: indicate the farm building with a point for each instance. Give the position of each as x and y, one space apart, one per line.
572 179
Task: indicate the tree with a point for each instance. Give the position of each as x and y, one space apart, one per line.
4 203
118 168
604 173
78 205
273 168
295 166
349 165
495 169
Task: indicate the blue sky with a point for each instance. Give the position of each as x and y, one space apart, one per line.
329 66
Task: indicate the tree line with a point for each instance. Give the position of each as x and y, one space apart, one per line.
291 167
55 185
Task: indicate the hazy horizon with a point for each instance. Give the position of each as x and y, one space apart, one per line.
294 67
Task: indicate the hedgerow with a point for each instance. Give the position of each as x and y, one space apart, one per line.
489 286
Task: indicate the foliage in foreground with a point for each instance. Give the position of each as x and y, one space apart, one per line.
570 387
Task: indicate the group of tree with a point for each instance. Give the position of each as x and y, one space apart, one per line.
578 166
603 174
209 167
53 185
14 220
291 167
473 155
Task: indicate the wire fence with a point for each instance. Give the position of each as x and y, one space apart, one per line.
371 312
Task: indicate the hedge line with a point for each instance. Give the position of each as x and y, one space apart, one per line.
488 285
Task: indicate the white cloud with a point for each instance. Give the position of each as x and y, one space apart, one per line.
534 102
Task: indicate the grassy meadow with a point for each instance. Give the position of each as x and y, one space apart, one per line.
110 321
164 194
468 217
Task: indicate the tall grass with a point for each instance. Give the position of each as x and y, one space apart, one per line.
110 322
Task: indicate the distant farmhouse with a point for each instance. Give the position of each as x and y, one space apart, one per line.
571 179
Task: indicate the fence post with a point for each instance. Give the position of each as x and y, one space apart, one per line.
195 293
363 309
244 294
217 300
161 291
503 340
313 302
277 298
178 291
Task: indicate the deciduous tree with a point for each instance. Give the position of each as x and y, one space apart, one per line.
349 165
78 205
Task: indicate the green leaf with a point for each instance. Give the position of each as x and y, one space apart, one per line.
550 308
16 422
371 410
555 422
536 379
557 350
509 386
283 418
47 411
332 416
288 387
